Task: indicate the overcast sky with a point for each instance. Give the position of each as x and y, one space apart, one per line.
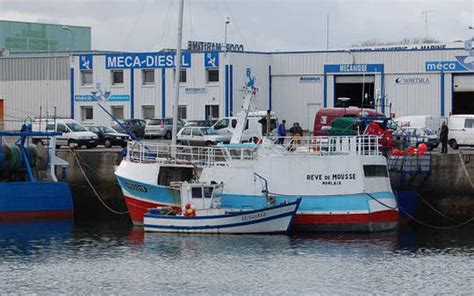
261 25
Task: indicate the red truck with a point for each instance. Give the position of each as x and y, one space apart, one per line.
324 117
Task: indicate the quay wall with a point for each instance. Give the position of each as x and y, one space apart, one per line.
449 189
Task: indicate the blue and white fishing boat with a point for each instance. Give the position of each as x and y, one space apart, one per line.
342 181
29 187
203 213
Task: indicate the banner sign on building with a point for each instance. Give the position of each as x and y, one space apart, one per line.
310 79
462 63
146 60
353 68
211 59
195 90
85 62
412 80
92 98
213 46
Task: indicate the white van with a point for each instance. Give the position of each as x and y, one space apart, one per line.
254 129
73 133
461 131
420 122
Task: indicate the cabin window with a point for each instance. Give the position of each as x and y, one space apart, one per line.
196 192
375 171
207 192
174 174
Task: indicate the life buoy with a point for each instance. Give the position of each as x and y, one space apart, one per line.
189 211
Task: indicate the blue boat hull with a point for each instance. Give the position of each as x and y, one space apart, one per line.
25 201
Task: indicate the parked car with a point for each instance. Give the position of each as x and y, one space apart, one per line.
416 136
461 131
109 137
420 121
324 117
201 136
161 127
73 133
254 129
200 123
135 126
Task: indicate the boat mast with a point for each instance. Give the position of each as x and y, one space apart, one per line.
177 77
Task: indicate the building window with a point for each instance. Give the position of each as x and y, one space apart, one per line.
182 75
117 111
212 75
148 77
117 77
86 77
182 112
87 113
211 111
148 112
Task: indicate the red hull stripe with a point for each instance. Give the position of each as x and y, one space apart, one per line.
35 215
138 208
382 216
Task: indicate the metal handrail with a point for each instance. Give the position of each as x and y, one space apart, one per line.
222 155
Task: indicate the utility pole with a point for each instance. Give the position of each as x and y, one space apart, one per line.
327 31
425 14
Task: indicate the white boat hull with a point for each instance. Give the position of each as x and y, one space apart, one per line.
277 219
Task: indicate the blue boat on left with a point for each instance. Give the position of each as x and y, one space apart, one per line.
29 187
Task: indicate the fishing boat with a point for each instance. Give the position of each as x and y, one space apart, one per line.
203 213
342 181
29 187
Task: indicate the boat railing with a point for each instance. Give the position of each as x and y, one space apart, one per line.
330 145
224 154
199 156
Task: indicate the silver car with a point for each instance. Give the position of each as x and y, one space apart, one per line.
161 127
201 136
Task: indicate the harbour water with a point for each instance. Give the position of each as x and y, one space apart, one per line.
115 258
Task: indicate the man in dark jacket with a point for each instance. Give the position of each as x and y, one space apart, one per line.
443 136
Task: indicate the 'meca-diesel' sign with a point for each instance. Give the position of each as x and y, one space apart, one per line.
146 60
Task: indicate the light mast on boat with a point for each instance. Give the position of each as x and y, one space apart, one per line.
177 78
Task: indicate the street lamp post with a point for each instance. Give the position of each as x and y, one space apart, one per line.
66 28
227 22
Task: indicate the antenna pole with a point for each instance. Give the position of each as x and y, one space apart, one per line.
177 77
327 31
425 13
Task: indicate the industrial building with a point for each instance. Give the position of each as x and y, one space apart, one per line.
413 80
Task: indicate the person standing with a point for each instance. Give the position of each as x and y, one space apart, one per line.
296 132
281 132
443 136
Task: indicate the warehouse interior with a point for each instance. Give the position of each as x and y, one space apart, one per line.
359 90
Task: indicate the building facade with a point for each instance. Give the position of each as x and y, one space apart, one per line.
295 85
39 37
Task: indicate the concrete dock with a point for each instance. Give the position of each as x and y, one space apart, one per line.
449 189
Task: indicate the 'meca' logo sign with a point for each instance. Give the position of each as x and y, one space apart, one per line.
462 63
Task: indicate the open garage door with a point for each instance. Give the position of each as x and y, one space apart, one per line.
463 94
359 89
